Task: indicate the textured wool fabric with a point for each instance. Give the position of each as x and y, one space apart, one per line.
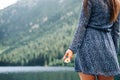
96 41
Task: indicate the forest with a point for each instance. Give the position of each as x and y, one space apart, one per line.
37 32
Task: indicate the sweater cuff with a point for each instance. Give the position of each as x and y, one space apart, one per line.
73 49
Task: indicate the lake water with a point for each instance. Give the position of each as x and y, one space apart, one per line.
34 69
39 73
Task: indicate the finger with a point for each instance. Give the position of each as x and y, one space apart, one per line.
65 56
70 56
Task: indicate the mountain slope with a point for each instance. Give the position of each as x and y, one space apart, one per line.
37 32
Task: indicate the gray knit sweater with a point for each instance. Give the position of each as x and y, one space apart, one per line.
98 17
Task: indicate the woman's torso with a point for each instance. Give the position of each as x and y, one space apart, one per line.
100 15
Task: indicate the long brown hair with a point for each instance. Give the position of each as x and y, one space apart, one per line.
114 6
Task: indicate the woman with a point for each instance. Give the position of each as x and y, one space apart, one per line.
96 39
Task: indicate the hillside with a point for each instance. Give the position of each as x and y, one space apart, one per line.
37 32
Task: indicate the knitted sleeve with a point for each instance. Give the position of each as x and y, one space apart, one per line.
80 31
116 34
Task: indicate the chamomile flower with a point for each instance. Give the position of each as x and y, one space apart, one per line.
67 60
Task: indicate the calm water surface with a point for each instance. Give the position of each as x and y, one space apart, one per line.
39 73
34 69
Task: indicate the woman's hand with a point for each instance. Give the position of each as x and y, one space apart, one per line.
68 55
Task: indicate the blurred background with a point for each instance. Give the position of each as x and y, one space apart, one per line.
35 34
